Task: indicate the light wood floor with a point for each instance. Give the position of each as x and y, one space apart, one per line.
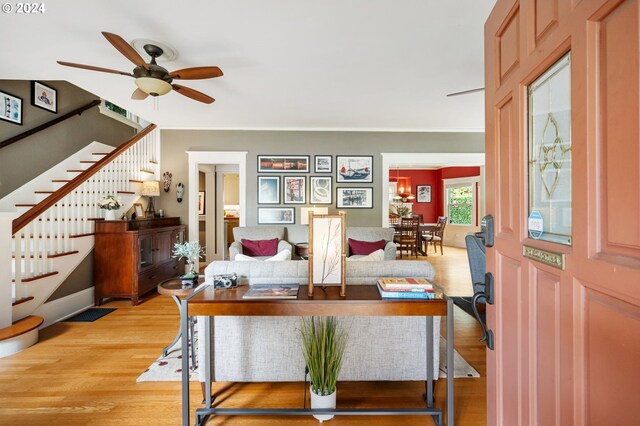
85 373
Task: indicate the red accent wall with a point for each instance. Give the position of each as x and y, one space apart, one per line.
431 211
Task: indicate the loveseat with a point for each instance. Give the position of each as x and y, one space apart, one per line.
370 234
258 233
266 349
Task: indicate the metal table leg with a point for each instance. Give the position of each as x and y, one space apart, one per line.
165 351
450 365
184 327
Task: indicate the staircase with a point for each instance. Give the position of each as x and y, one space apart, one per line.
43 239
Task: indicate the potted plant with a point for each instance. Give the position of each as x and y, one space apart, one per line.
191 251
403 211
323 345
110 204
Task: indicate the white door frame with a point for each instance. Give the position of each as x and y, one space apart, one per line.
195 158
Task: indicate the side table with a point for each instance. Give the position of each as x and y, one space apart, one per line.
302 250
174 288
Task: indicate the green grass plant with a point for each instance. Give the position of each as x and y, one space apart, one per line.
323 346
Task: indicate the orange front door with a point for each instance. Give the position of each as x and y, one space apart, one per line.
567 337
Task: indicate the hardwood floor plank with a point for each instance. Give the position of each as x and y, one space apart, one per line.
85 373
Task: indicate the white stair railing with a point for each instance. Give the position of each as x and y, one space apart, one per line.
50 228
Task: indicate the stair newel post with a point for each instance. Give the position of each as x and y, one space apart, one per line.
65 222
8 246
73 200
41 251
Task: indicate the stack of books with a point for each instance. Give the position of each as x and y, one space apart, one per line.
406 288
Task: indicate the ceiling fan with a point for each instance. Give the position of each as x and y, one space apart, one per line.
466 92
151 78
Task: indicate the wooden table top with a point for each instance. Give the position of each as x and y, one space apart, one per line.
361 300
174 287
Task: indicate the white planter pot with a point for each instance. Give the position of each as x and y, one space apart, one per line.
318 401
109 215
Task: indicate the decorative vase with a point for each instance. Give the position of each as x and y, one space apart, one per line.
110 215
319 401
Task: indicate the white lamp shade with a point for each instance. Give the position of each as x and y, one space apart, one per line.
150 188
304 211
153 86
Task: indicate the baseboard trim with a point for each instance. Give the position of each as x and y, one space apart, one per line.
18 343
65 307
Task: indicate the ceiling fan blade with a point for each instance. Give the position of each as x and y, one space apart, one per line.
139 95
92 68
196 73
124 48
466 92
193 94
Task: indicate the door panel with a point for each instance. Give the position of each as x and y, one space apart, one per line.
617 42
567 341
546 361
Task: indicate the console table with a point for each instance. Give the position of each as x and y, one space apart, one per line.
361 300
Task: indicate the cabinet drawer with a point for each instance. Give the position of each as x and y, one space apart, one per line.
149 280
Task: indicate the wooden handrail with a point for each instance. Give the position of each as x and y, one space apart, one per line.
48 124
45 204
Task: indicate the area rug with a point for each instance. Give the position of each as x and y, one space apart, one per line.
90 315
169 368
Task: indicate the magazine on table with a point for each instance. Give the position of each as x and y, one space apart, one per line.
272 291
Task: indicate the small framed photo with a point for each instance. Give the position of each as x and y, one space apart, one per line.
283 163
295 189
268 189
354 169
201 200
323 164
354 198
139 211
424 194
11 108
44 97
276 215
320 190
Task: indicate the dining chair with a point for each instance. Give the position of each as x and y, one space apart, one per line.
437 235
407 239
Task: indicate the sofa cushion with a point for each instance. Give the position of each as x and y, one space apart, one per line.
283 255
365 247
376 256
259 247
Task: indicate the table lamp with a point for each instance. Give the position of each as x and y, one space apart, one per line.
150 188
304 211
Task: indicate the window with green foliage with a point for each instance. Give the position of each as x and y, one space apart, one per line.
460 201
115 108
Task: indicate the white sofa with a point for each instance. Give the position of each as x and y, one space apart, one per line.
266 349
258 233
372 233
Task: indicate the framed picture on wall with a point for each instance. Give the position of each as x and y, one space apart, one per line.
323 164
201 202
295 189
268 189
276 215
283 163
320 190
354 198
424 193
354 169
44 97
11 108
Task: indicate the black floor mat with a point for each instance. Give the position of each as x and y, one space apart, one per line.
90 315
464 303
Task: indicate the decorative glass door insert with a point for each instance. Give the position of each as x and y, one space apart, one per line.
550 151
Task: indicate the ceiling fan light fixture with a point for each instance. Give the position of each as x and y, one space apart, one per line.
153 86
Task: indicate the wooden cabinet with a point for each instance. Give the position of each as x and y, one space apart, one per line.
132 257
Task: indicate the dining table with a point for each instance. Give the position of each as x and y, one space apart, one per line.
422 228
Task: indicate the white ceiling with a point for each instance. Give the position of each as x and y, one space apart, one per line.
288 64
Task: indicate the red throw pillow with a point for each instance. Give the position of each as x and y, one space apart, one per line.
259 247
365 247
